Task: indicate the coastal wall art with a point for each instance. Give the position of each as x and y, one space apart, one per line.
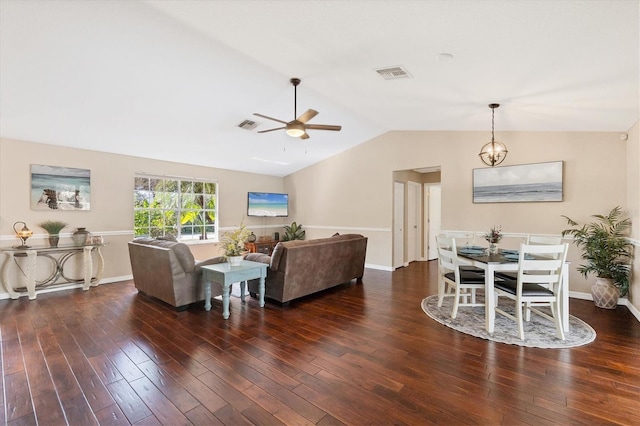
538 182
60 188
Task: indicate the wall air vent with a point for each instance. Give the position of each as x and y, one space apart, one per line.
393 73
248 125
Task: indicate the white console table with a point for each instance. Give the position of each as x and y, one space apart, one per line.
59 256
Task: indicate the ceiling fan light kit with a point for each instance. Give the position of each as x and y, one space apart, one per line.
297 128
494 152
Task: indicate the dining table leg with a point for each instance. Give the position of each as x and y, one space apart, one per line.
489 299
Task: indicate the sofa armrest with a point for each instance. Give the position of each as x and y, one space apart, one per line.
211 261
258 257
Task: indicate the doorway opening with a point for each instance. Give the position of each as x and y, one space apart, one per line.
416 214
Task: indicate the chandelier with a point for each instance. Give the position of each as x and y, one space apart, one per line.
494 152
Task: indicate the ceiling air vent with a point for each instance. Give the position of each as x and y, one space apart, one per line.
248 125
393 73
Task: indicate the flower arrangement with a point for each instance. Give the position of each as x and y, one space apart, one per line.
494 236
53 227
232 242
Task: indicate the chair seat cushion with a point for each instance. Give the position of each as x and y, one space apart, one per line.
466 277
509 286
507 275
472 269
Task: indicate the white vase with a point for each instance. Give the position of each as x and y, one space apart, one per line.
605 294
234 260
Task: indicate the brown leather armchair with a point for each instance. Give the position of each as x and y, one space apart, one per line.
167 270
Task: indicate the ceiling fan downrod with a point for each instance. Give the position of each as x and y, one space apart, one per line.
295 82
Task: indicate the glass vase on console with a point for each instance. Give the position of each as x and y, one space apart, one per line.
81 236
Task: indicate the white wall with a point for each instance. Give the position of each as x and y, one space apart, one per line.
633 197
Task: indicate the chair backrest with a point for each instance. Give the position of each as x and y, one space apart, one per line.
542 264
447 255
544 239
463 237
548 240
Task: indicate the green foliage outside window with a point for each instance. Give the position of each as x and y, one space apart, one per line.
181 208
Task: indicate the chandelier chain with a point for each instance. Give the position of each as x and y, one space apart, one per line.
493 114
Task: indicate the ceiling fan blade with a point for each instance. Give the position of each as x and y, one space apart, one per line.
308 115
305 136
269 118
322 127
270 130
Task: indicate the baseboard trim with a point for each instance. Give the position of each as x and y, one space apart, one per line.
69 286
379 267
623 301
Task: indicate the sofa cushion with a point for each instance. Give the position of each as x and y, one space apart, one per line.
180 250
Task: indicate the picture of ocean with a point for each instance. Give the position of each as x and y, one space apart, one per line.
267 204
61 188
551 191
539 182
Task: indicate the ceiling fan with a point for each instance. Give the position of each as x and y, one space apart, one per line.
297 128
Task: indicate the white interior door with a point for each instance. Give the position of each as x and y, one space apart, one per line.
414 221
398 224
434 217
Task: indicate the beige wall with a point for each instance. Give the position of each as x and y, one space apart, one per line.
358 184
633 199
112 196
350 192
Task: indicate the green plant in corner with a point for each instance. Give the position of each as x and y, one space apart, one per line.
294 232
53 227
605 249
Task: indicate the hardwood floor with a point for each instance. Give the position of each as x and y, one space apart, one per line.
357 354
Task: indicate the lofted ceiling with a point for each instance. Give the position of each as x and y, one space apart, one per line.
171 80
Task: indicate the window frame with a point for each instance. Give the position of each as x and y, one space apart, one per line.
184 207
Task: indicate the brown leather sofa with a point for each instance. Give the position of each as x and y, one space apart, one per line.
303 267
167 270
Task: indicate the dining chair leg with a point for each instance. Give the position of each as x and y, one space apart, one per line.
441 288
519 315
556 317
527 312
456 303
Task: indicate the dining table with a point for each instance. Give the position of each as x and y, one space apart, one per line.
506 261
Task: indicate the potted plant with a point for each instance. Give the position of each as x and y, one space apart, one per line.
53 228
607 254
493 237
233 244
294 232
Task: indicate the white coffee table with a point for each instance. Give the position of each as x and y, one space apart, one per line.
225 274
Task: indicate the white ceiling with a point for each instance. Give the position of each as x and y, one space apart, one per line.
172 79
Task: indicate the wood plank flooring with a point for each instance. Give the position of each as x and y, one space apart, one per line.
358 354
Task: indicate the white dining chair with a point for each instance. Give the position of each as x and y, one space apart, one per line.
538 283
464 239
454 281
544 239
534 239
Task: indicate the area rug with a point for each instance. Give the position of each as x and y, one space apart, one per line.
538 333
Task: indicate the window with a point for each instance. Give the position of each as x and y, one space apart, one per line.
183 208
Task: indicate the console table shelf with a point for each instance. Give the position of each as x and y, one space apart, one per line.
58 256
265 247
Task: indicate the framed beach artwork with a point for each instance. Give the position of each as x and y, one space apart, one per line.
539 182
60 188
